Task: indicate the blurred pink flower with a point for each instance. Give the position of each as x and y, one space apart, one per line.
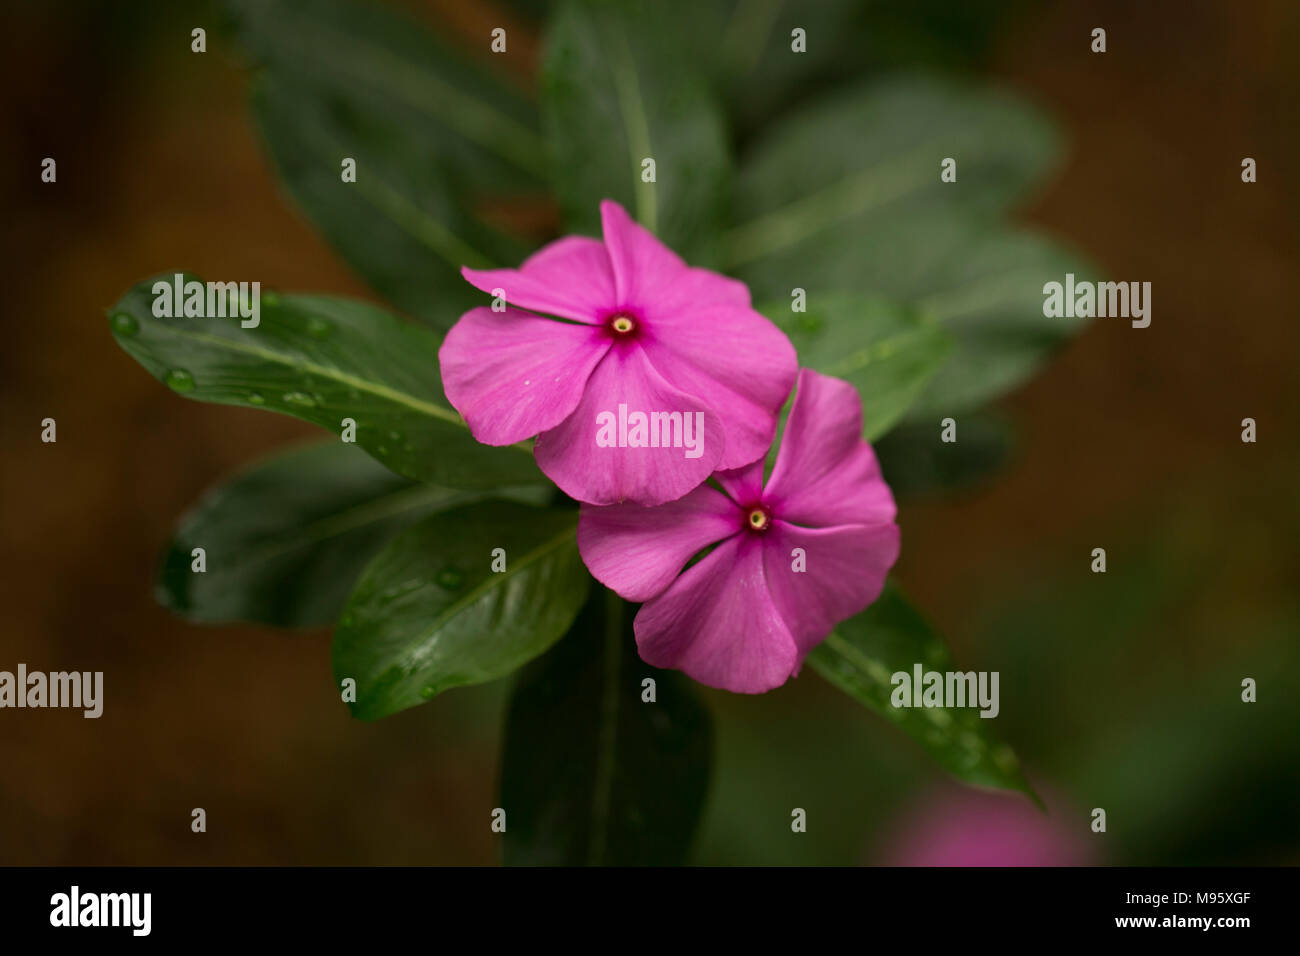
793 558
976 828
633 325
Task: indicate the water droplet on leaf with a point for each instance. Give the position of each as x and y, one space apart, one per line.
299 399
179 380
450 578
124 323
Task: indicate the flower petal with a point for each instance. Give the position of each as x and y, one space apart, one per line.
734 359
512 375
638 551
744 485
825 474
652 280
644 268
844 571
570 456
717 623
570 277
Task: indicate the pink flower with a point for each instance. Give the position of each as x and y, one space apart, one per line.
793 558
633 326
973 828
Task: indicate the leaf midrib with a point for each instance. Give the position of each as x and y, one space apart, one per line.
422 227
863 664
981 293
408 216
826 207
863 357
524 156
636 125
751 20
341 522
326 372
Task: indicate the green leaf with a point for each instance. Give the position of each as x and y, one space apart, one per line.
846 197
618 87
846 39
430 613
323 359
887 351
761 73
916 462
863 165
285 539
591 773
436 139
987 291
862 654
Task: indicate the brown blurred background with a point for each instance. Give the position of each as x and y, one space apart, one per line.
1129 440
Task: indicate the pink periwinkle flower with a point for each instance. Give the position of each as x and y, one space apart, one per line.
623 322
973 828
792 559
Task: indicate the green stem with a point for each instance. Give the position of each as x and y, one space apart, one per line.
608 737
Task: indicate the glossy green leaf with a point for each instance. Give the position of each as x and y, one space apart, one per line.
323 359
861 656
887 351
286 538
846 197
592 772
430 613
618 87
436 137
